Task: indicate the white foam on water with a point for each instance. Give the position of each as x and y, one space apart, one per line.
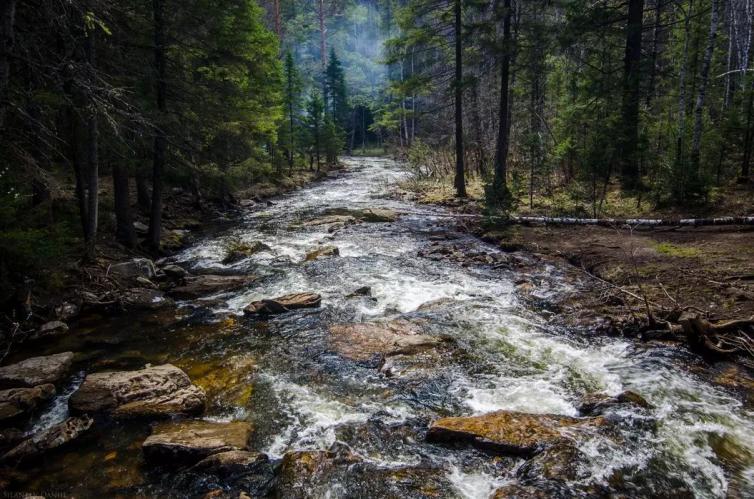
477 485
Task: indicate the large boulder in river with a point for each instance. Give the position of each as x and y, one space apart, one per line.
322 252
508 432
154 391
239 473
36 371
18 402
283 304
238 250
202 285
362 342
47 440
377 215
188 442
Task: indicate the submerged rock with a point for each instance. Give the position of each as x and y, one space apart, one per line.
597 403
507 431
302 470
377 215
364 341
238 251
341 220
47 440
516 491
36 371
145 299
201 285
235 472
187 442
154 391
560 463
284 303
18 402
323 252
362 291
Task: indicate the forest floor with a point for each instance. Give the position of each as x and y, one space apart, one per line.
66 278
624 272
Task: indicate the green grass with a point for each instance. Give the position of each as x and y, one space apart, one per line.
678 251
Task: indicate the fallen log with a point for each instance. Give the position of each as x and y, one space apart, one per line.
605 222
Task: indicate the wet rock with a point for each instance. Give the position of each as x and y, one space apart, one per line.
341 220
284 303
432 305
597 403
735 377
145 299
18 402
145 283
302 470
232 474
47 440
516 491
364 341
560 462
226 381
323 252
191 441
138 267
36 371
175 272
240 250
377 215
50 330
154 391
362 291
201 285
507 432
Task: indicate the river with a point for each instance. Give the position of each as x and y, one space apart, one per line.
507 354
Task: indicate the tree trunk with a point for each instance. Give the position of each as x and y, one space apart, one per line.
501 150
7 20
655 51
276 13
630 104
92 156
481 156
696 137
682 90
143 198
160 140
748 139
460 180
290 122
124 226
322 36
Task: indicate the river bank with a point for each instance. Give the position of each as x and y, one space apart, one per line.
353 348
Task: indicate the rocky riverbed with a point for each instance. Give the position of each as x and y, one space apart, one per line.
337 344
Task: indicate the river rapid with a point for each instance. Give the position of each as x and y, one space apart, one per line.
507 353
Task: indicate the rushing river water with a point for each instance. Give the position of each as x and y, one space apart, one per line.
695 439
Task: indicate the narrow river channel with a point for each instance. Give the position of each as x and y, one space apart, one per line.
501 353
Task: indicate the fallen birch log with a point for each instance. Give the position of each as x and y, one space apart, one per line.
606 222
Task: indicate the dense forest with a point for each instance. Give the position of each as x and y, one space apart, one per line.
376 248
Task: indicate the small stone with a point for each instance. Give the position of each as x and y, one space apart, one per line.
145 299
50 329
202 285
175 272
140 227
323 252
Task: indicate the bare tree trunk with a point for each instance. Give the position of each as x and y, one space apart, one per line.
124 225
748 139
460 180
7 38
501 149
476 118
682 88
160 140
696 137
322 36
276 13
630 175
